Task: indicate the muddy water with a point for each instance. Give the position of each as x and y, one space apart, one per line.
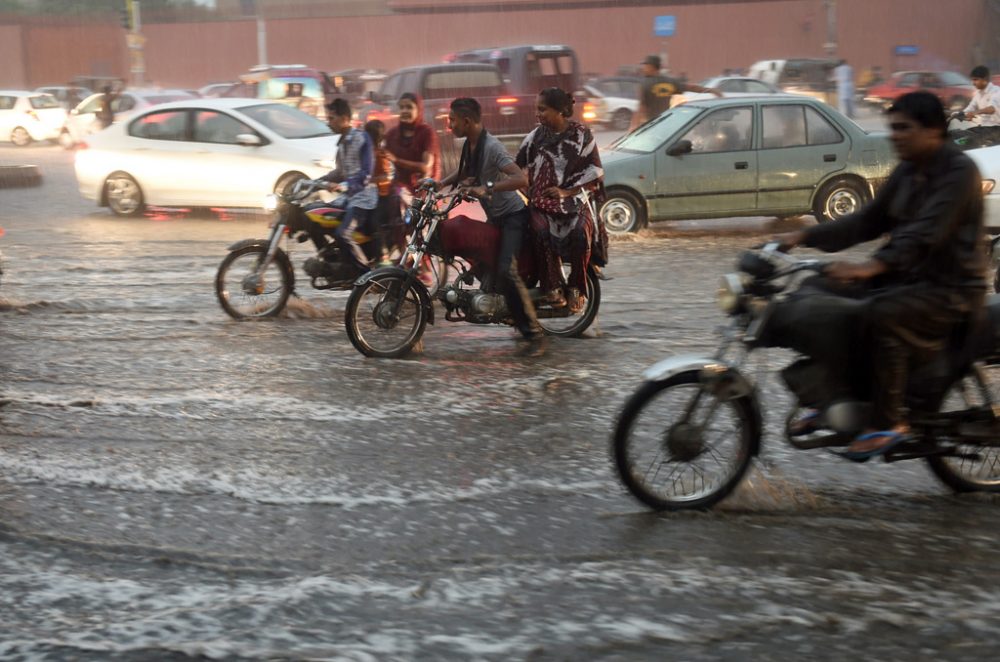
175 484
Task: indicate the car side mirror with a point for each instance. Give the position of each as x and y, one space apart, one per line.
682 147
248 140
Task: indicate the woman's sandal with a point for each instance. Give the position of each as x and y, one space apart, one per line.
576 301
807 423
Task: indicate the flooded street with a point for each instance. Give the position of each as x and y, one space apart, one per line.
175 484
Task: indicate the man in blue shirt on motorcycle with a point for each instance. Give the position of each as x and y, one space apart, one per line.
352 175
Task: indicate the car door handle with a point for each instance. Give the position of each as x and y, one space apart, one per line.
742 165
829 158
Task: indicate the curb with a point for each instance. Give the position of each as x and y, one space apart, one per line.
21 176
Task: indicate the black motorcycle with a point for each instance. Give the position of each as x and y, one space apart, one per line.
969 138
257 277
687 436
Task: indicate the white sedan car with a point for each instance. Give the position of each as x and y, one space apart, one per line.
204 153
27 116
82 120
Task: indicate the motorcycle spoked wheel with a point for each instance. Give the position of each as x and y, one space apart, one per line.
669 464
558 322
981 474
244 298
371 325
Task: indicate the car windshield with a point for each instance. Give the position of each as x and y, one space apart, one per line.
951 78
44 101
281 87
286 121
651 135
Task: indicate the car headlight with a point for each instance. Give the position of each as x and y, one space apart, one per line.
270 202
988 186
729 293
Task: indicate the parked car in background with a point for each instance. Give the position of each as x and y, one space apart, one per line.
213 90
67 95
775 155
954 90
527 70
27 116
438 85
804 75
617 100
987 159
730 86
82 120
203 152
279 82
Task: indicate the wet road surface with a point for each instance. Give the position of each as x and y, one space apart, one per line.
174 484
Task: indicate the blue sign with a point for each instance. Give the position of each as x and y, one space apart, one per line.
664 26
907 50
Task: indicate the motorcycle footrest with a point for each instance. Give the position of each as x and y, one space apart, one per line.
921 449
821 439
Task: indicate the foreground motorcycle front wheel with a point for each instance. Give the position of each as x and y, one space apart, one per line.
245 295
980 471
560 322
385 317
670 461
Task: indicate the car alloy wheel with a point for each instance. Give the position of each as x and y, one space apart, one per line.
20 136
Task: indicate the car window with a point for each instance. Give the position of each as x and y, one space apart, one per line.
409 83
214 127
390 88
286 121
819 130
277 88
44 101
472 82
6 103
951 78
756 87
732 86
722 130
909 80
651 135
91 106
122 103
783 126
163 125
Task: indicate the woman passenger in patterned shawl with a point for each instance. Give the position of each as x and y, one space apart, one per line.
565 186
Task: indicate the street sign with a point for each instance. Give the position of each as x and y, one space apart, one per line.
907 49
664 26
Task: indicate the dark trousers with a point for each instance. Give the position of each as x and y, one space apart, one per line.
350 251
513 228
867 339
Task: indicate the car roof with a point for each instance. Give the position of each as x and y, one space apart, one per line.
23 93
713 102
444 66
224 103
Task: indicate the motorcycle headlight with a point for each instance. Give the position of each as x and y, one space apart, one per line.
270 202
730 293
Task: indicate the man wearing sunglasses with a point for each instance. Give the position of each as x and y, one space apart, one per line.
927 276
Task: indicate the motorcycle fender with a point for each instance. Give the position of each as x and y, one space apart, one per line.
425 297
244 243
720 378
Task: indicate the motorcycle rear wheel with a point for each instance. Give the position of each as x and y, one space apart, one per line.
374 328
667 463
557 322
967 474
243 297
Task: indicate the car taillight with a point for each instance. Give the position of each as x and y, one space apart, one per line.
507 101
82 145
589 112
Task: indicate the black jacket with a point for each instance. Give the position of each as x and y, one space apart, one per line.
934 219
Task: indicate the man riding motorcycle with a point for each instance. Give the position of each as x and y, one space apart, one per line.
984 108
904 302
354 164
